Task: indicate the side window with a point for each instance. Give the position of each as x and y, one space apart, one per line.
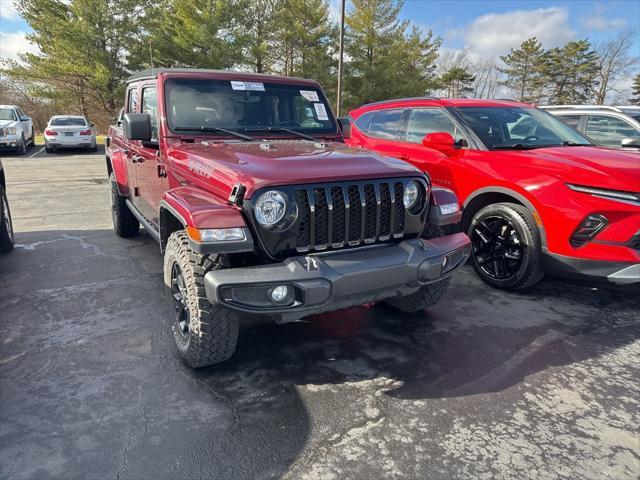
571 120
150 106
363 121
609 131
386 124
429 120
132 100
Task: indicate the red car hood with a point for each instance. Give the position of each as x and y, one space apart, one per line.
281 162
591 166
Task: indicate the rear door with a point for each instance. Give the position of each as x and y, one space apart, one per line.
609 131
383 131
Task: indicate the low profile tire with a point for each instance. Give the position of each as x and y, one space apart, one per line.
428 295
22 146
506 247
125 224
49 149
204 334
6 226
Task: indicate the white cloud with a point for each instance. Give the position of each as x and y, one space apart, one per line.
496 33
8 10
603 23
12 44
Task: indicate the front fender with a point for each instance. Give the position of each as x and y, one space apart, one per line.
119 167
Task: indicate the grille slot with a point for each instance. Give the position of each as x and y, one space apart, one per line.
349 214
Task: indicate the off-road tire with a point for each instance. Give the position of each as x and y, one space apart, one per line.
428 295
213 330
125 224
530 271
6 226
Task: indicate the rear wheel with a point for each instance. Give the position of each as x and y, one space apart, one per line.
32 142
506 246
204 334
125 223
6 226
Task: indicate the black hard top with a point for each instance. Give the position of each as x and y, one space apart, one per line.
249 76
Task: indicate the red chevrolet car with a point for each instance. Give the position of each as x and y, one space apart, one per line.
538 195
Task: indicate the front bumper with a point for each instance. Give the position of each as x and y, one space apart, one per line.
341 279
9 142
615 272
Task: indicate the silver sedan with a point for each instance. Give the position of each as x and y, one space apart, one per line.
69 131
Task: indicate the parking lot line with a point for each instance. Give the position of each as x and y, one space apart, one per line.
38 152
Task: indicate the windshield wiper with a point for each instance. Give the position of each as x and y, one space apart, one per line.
517 146
570 143
280 129
213 129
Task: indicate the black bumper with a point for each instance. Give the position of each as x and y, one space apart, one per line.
596 270
331 281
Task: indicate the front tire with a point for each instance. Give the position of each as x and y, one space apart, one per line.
506 246
125 224
204 334
22 146
6 226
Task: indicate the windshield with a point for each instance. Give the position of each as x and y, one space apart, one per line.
519 127
245 107
68 122
7 114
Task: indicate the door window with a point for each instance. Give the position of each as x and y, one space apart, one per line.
132 100
571 120
363 121
609 131
150 106
423 121
386 124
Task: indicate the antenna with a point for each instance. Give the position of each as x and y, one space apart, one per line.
151 55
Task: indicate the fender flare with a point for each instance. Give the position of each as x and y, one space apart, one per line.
519 197
118 162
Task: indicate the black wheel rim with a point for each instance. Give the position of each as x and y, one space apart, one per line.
114 199
497 247
180 300
7 218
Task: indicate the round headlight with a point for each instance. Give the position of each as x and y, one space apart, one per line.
270 208
411 194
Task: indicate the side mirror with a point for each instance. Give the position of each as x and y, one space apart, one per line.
25 118
345 127
137 126
633 142
93 125
441 141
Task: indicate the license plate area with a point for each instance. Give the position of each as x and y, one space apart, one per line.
68 134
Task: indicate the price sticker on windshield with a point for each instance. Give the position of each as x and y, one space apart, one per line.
310 95
321 112
247 86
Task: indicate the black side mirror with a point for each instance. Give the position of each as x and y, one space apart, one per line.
345 126
25 118
633 142
137 126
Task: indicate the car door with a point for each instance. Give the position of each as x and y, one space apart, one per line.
150 178
129 146
608 130
25 121
440 166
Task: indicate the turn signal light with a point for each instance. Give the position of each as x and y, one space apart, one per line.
86 132
51 133
216 234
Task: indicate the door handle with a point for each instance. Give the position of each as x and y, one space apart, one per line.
137 159
403 157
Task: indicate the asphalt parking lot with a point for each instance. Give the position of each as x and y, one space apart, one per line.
486 385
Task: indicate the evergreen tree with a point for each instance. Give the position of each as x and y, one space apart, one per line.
635 91
456 82
523 70
570 73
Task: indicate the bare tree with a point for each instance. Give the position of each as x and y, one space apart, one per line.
487 74
614 61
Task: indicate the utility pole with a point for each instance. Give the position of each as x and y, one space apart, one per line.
340 55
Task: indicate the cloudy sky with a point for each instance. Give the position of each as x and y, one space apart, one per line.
488 28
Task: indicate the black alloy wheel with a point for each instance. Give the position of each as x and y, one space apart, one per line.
180 300
497 247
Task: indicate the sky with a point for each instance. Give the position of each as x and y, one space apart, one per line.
487 28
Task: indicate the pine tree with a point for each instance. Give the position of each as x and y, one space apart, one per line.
635 91
523 70
570 73
456 82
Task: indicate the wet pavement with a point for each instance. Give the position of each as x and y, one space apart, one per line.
542 384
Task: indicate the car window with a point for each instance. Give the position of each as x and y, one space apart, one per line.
68 122
132 100
423 121
386 124
20 112
609 131
571 120
363 121
150 106
7 114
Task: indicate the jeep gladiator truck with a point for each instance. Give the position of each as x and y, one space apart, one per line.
260 208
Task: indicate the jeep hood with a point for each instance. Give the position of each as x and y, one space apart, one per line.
260 164
590 166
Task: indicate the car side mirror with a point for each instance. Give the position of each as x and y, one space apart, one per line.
633 142
345 127
137 126
441 141
93 125
25 118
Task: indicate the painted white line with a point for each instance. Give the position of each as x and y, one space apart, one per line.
39 151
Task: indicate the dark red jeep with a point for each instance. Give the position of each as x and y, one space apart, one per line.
260 208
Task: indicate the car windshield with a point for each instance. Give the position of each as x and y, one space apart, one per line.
509 128
246 107
7 114
68 122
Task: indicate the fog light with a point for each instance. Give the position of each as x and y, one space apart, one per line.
587 230
445 261
279 293
13 144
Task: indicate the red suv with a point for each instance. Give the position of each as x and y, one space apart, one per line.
538 195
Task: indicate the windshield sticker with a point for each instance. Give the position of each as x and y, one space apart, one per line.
310 95
248 86
321 112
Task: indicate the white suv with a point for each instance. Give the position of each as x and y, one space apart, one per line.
16 129
613 127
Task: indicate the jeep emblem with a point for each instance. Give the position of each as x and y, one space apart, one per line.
311 264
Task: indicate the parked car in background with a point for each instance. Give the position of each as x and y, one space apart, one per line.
16 129
613 127
538 195
69 131
6 226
